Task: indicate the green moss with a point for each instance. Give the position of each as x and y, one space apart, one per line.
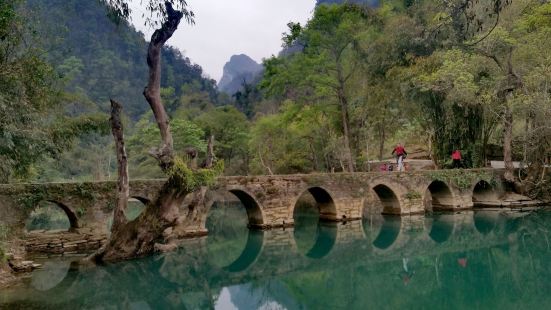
32 197
464 179
84 191
180 175
411 195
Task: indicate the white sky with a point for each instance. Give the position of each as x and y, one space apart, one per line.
228 27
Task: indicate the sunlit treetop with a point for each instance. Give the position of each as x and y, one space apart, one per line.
156 10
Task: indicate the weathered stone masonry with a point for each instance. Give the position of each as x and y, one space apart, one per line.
269 200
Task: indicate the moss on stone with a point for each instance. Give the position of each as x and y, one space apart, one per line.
180 175
412 195
463 179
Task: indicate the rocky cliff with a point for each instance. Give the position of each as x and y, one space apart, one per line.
240 69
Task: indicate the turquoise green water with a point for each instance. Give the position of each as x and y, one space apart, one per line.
471 260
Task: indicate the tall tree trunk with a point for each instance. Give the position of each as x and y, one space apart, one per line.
514 82
345 124
382 138
119 217
508 144
209 161
152 91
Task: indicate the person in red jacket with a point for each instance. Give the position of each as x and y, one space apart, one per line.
456 158
400 153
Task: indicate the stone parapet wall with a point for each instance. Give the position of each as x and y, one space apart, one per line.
63 242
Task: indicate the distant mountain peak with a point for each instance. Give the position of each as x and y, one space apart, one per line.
241 68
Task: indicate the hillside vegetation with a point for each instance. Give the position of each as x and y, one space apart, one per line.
433 75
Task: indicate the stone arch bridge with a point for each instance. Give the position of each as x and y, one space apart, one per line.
269 200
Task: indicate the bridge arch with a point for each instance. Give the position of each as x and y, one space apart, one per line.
324 202
317 233
388 198
483 191
254 212
143 200
438 196
68 211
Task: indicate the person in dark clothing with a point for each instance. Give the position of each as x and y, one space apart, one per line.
400 153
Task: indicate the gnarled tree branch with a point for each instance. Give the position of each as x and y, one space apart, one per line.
152 91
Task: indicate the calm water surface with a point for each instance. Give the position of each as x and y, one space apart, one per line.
471 260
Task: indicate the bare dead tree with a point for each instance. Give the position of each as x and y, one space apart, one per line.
119 217
145 234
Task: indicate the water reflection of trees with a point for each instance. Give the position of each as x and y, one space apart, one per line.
510 270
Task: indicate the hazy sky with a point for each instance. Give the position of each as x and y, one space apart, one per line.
227 27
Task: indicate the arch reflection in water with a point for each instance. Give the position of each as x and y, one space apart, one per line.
485 221
228 232
55 276
315 238
250 254
389 232
441 226
50 275
326 236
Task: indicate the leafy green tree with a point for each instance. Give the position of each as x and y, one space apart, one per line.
146 136
230 128
325 68
32 125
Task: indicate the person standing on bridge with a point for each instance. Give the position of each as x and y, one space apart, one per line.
400 153
456 159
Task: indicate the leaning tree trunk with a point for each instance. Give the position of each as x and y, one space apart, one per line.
140 236
508 144
152 91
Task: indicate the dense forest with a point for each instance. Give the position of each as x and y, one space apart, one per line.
433 75
92 60
424 73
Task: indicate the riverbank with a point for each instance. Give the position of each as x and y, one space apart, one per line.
7 278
